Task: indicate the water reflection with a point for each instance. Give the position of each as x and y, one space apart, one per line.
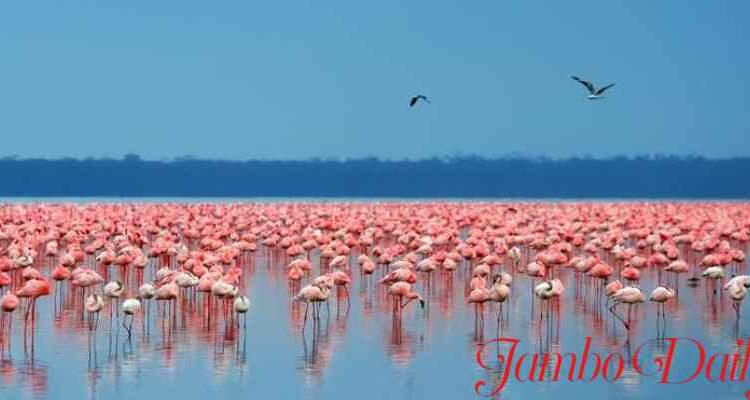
317 351
356 332
400 344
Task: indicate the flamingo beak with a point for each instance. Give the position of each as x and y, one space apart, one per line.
421 303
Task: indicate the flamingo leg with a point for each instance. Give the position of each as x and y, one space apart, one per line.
26 314
346 290
126 326
612 310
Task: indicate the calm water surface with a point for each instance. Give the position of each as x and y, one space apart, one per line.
360 353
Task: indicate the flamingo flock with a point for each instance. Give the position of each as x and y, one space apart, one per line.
122 260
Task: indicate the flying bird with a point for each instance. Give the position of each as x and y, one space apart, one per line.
417 98
594 93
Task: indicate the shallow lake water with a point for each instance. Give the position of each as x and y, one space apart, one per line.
360 350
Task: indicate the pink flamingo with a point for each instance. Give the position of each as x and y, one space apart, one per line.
628 295
403 290
661 295
312 294
34 289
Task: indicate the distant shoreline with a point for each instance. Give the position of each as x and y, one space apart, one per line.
470 178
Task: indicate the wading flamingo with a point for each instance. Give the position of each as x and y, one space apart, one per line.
130 307
628 295
661 295
737 289
113 290
34 289
93 305
312 294
8 303
715 273
241 307
499 293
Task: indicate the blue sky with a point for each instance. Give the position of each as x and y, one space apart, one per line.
290 80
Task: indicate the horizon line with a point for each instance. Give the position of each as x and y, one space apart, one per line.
132 157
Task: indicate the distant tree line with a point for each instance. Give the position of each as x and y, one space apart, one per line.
451 177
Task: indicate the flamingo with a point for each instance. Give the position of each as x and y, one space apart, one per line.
341 279
403 290
499 293
661 295
677 267
241 307
8 303
478 297
130 307
628 295
113 290
167 292
737 289
714 273
312 294
93 305
33 289
146 292
546 291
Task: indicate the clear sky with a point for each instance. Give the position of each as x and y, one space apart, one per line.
290 80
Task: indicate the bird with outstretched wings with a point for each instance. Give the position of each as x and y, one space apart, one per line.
593 91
